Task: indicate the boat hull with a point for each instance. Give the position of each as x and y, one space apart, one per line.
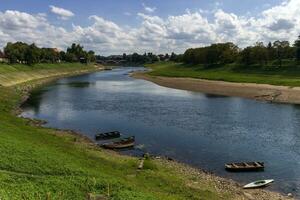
118 146
258 184
125 143
245 166
108 135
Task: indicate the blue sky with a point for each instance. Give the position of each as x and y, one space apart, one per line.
160 26
114 9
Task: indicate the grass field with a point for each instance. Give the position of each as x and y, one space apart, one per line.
42 163
287 75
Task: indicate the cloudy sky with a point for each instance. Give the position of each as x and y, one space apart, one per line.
117 26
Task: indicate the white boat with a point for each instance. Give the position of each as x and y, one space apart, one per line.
258 184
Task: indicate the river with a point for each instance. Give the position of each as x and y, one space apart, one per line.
202 130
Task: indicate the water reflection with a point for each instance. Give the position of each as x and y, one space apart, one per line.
80 84
214 96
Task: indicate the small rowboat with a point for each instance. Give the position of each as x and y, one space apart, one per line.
245 166
108 135
258 184
122 144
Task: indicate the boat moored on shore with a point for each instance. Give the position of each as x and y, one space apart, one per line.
121 144
259 184
107 135
245 166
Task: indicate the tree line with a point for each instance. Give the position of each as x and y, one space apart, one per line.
226 53
20 52
221 53
135 58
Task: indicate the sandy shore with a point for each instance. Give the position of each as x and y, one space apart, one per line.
265 92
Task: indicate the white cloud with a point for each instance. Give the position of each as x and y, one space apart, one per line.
20 26
149 9
156 34
61 12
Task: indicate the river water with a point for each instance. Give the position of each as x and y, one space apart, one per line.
202 130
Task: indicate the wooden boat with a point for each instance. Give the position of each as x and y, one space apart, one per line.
108 135
123 143
245 166
258 184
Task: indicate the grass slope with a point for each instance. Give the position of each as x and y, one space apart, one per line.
42 163
288 75
16 74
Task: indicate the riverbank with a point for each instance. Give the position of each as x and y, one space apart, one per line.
279 94
39 163
11 75
210 81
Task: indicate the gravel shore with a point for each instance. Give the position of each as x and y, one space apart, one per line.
222 185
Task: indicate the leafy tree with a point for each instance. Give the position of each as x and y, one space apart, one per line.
221 53
297 46
173 56
75 52
71 57
32 54
245 56
271 52
15 52
279 46
91 56
189 56
260 53
124 56
49 55
20 52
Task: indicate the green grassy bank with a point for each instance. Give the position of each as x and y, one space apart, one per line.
15 74
42 163
287 75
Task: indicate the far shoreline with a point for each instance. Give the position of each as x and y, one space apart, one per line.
261 92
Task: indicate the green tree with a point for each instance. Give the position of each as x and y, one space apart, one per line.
75 52
259 53
15 52
245 56
91 56
71 57
173 56
189 56
32 54
281 47
297 46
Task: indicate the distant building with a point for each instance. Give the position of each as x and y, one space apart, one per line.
56 50
83 60
3 58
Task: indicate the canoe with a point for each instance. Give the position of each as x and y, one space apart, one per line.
245 166
108 135
123 143
258 184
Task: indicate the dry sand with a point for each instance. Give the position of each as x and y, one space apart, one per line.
265 92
